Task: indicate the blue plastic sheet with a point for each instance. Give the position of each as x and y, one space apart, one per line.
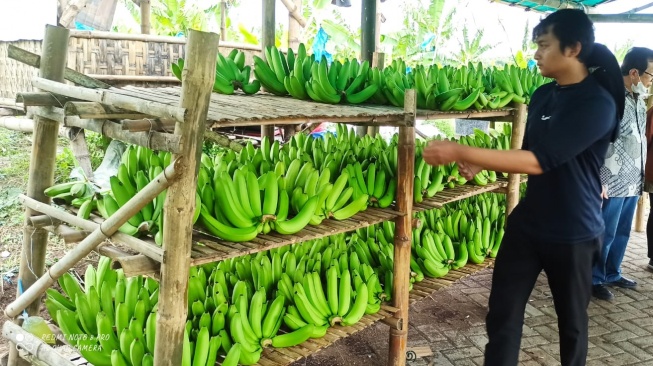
319 46
81 26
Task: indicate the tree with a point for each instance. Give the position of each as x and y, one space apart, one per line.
471 48
172 17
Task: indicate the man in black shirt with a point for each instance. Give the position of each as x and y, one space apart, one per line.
558 226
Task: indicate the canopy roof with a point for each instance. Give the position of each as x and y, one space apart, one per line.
552 5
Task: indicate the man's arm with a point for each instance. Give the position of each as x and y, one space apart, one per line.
509 161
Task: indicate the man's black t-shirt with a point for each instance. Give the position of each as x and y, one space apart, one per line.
568 129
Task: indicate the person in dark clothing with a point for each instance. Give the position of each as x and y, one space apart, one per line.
557 227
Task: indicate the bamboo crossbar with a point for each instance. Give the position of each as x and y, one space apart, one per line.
152 140
151 251
149 124
105 96
33 345
90 110
42 99
103 231
34 60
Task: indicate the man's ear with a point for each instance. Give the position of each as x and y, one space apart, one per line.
573 51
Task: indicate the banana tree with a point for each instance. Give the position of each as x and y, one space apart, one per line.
471 48
427 27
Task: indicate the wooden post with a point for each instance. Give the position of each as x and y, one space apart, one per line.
294 28
640 223
518 127
223 20
268 40
41 169
378 59
145 16
403 231
368 41
198 78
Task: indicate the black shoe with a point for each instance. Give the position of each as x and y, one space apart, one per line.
650 265
601 292
623 282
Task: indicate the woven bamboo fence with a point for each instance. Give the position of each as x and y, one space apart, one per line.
115 58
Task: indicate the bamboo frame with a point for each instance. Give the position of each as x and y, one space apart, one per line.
103 231
198 78
268 41
106 97
403 231
33 345
153 140
151 251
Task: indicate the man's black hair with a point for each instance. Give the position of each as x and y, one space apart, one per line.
636 58
569 26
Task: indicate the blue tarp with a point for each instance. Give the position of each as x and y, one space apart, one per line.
319 46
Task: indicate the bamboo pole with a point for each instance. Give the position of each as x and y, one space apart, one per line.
136 265
41 172
52 66
378 60
198 78
294 28
223 20
148 124
33 345
117 100
34 60
153 140
518 127
103 231
146 14
89 110
222 140
403 232
295 12
640 223
268 40
42 99
17 124
151 251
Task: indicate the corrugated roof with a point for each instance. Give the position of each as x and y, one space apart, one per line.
553 5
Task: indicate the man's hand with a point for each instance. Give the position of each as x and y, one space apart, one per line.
441 152
467 170
604 192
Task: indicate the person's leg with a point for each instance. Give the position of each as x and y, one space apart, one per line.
568 270
515 272
649 233
620 241
610 210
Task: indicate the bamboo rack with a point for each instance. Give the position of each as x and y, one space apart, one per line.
195 108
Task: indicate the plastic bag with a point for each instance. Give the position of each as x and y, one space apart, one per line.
109 165
319 46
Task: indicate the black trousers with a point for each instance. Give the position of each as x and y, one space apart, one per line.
569 271
649 228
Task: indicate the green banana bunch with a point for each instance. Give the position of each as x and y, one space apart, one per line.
231 73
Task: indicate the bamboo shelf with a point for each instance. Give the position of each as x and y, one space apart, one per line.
239 110
196 108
